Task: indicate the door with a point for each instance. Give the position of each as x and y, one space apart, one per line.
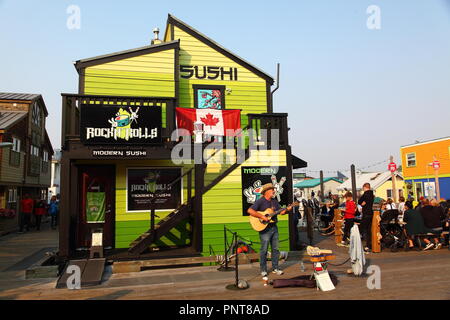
97 210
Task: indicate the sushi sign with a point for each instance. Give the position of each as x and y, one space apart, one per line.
120 125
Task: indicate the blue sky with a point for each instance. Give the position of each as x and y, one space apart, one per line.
353 95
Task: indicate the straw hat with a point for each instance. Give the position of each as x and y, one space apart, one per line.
266 187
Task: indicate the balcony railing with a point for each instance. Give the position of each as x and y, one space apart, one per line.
269 129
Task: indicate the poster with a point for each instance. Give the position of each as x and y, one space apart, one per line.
147 185
120 125
95 207
430 189
253 178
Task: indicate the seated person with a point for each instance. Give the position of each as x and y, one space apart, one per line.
414 224
433 218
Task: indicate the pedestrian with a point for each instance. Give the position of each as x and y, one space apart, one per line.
39 210
366 202
414 224
349 215
270 234
26 210
401 208
53 210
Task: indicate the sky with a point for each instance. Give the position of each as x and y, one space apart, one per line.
354 93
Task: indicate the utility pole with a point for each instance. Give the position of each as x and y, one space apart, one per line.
394 189
353 174
321 186
436 166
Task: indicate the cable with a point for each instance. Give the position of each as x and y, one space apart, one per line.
337 265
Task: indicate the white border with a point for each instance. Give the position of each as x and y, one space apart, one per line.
147 211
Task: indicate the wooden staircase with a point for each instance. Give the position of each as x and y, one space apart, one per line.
172 220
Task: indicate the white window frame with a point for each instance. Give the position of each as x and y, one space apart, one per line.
408 160
16 144
34 151
12 195
45 156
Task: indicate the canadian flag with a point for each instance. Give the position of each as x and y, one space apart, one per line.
216 122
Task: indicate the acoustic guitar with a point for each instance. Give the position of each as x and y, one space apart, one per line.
259 224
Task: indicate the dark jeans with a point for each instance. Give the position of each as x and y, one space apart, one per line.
24 220
326 220
38 218
348 226
269 236
53 222
366 229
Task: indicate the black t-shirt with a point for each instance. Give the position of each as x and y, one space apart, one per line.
262 204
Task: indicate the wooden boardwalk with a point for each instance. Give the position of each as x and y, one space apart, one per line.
404 275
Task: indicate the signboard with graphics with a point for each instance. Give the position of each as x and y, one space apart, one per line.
151 185
253 178
120 125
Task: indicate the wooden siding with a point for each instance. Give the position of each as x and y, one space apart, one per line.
146 75
222 205
249 93
129 225
11 173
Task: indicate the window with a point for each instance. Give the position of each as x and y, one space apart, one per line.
45 163
206 96
43 194
14 154
12 195
34 151
411 159
389 193
16 144
36 114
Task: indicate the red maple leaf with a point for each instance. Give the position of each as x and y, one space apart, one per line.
209 120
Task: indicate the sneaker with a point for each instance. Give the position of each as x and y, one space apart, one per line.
278 272
438 246
264 274
429 246
366 249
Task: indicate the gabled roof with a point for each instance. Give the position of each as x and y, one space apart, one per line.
425 142
88 62
28 97
9 118
208 41
376 179
310 183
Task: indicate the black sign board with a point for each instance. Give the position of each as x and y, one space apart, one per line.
145 185
119 153
253 178
120 125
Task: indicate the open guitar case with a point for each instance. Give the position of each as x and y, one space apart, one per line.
300 281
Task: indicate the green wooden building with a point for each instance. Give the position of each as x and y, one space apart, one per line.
200 199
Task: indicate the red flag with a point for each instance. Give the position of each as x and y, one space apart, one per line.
216 122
